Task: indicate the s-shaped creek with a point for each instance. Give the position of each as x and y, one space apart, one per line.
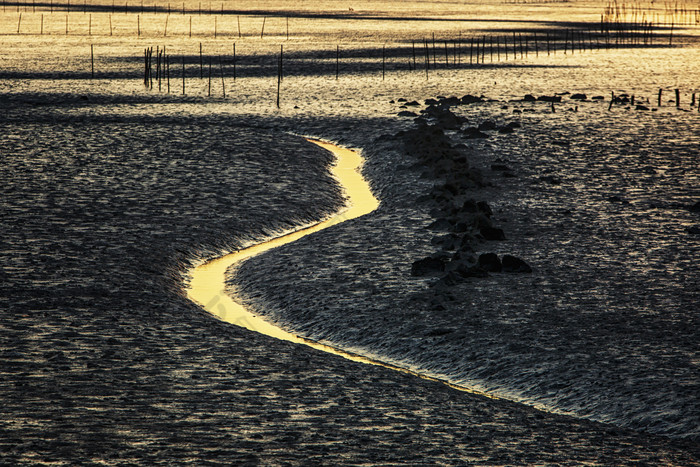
207 281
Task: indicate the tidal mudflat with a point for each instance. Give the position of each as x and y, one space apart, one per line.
111 190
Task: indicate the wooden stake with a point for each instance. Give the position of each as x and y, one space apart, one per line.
337 61
223 83
92 62
183 75
201 62
262 31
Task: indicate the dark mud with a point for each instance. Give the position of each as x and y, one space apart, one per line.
596 201
103 360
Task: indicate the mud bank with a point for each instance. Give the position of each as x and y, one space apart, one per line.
582 345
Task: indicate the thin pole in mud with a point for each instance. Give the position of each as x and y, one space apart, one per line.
209 87
566 40
287 27
498 47
471 52
262 31
92 62
183 8
138 25
234 61
337 61
660 91
612 100
520 37
383 60
165 30
238 19
167 70
201 62
66 25
434 53
678 98
190 25
483 49
215 27
279 80
42 24
670 35
90 25
548 43
505 46
281 70
427 58
413 45
692 102
447 63
19 22
223 83
110 25
183 75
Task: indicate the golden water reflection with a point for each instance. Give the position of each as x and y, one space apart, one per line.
208 281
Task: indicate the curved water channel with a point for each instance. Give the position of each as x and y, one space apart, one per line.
208 281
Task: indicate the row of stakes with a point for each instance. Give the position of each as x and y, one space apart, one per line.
157 73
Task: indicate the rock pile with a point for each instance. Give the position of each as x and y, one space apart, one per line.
462 224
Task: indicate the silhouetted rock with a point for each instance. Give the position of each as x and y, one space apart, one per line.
427 266
473 132
485 208
407 113
489 262
471 271
578 97
487 125
549 98
514 265
529 98
492 233
469 99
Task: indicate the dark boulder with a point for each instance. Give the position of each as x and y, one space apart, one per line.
549 98
487 125
578 97
440 224
471 271
407 113
473 133
529 98
427 266
492 233
515 265
469 99
489 262
484 208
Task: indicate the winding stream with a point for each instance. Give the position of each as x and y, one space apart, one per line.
208 281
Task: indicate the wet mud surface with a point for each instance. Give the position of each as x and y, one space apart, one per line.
593 200
103 359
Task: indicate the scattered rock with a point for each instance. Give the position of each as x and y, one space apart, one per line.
529 98
489 262
407 113
427 266
514 265
549 98
492 233
578 97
